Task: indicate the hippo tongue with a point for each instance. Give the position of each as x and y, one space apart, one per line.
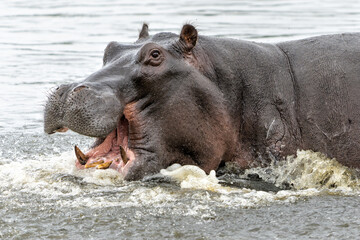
104 147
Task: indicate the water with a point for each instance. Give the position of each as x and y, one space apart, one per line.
42 196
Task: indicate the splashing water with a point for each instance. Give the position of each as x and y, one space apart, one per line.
310 169
308 173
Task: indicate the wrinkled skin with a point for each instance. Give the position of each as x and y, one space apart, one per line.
201 100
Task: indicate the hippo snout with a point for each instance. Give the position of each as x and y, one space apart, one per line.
85 108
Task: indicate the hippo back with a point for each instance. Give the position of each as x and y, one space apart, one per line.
326 78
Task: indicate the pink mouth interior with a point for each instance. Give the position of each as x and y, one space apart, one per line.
109 149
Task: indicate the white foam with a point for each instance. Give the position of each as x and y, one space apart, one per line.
37 176
193 177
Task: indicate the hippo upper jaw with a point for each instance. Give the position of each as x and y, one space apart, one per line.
85 108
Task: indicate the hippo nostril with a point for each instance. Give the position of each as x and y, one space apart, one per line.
79 88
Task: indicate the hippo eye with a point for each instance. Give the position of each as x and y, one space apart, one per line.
155 57
155 54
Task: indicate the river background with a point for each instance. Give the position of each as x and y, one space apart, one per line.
46 43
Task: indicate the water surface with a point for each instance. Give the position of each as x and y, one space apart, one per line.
42 196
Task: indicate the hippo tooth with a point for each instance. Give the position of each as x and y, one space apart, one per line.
93 164
81 157
104 165
123 155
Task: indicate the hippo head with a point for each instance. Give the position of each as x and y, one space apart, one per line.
152 104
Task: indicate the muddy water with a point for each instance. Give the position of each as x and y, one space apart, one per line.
42 196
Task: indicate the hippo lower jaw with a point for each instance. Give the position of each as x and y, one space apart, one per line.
110 152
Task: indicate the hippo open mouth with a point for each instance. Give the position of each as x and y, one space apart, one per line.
112 151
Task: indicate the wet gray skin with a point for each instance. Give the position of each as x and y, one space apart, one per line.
200 100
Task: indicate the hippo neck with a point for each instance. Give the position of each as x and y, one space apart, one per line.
257 77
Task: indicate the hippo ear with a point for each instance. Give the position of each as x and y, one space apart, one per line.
144 33
188 36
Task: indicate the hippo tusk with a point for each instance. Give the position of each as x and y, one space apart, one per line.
104 165
81 157
123 155
94 164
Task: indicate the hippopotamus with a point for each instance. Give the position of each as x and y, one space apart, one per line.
205 101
